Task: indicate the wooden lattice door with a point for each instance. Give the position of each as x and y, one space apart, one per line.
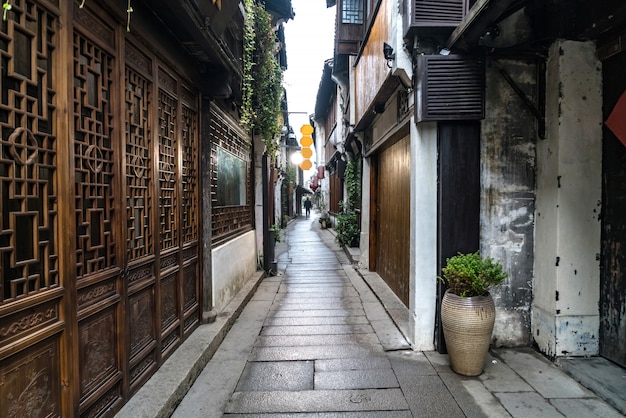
178 216
32 291
99 263
99 232
141 241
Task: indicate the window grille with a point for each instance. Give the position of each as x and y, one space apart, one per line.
352 11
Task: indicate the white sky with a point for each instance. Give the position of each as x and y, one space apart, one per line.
309 40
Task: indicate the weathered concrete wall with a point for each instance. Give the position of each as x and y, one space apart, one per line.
233 264
423 246
569 171
508 198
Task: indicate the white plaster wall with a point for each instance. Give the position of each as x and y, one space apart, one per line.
565 312
403 64
423 245
233 264
366 185
259 149
278 207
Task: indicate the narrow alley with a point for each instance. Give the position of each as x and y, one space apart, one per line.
315 340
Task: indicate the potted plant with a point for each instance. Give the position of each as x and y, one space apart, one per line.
324 220
468 310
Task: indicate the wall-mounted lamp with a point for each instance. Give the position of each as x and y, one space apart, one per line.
388 53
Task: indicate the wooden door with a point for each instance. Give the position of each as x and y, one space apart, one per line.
613 246
33 290
458 195
99 231
98 219
393 211
177 210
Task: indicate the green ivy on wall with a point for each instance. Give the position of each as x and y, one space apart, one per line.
352 177
348 228
262 77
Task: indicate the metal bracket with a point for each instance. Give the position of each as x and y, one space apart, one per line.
539 109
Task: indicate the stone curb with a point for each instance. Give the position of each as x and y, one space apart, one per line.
162 393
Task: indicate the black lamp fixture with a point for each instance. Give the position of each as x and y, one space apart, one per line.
388 53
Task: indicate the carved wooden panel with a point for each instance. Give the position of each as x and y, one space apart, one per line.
93 158
190 293
19 324
141 370
168 159
169 301
98 354
189 204
141 315
139 173
28 150
90 295
29 383
110 401
191 305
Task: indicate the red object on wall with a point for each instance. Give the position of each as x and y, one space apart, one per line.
617 119
314 183
320 172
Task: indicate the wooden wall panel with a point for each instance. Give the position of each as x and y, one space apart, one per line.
370 71
393 217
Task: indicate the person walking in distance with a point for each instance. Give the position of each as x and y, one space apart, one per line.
307 207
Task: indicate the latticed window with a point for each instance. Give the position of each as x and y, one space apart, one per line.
352 11
29 261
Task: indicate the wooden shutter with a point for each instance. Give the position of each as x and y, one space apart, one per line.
439 12
435 16
449 87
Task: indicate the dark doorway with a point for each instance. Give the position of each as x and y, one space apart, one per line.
613 247
458 205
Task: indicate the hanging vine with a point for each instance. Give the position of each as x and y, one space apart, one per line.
247 112
6 6
262 78
129 10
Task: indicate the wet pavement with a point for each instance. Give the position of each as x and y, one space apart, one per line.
316 341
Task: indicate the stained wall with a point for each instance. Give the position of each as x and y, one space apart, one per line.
508 163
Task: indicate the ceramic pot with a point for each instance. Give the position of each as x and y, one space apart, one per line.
467 327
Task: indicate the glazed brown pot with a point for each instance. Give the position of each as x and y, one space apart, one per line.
467 326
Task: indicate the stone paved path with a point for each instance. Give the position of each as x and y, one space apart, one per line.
318 350
315 341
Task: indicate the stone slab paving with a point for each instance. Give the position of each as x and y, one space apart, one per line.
317 401
324 339
543 376
529 404
321 340
600 375
332 320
